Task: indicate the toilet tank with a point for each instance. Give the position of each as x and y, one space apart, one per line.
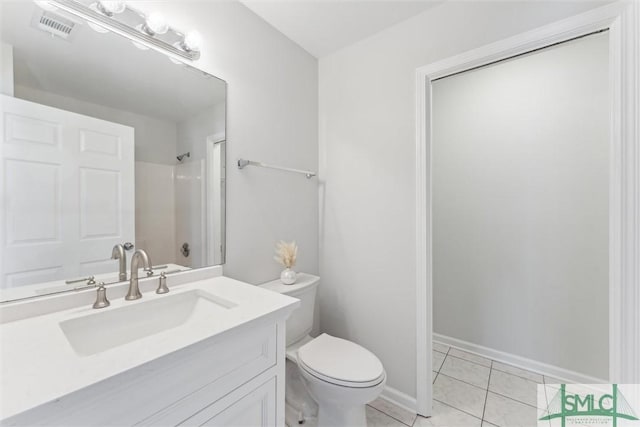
300 322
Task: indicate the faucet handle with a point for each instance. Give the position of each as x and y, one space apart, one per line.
101 297
162 285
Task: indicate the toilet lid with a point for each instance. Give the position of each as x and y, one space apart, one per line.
340 362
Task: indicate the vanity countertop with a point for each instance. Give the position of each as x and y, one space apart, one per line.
38 364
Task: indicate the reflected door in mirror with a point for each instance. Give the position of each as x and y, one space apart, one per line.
68 192
105 121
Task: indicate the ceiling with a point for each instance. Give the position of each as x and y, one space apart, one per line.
104 69
322 27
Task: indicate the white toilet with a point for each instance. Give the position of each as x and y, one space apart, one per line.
327 377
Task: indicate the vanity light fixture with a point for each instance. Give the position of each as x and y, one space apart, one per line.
192 41
95 27
155 24
111 8
146 32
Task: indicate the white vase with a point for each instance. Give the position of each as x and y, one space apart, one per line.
288 276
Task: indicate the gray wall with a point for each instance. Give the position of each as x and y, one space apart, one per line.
193 132
520 206
367 158
155 139
272 116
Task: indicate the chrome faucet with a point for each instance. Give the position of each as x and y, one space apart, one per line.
118 253
134 291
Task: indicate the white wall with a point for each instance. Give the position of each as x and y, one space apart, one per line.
193 132
272 107
520 206
190 212
367 140
155 138
155 211
6 69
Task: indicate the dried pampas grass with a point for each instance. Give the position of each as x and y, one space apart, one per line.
286 253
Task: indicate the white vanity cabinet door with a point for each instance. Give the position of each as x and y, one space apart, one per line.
254 408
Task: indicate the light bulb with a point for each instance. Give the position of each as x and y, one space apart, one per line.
111 7
155 24
192 41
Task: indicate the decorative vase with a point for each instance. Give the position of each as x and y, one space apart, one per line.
288 276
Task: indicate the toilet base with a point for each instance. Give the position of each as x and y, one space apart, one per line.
293 417
339 405
337 415
320 403
300 406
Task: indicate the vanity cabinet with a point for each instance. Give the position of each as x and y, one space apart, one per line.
247 406
235 378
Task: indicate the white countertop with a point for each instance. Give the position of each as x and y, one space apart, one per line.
39 365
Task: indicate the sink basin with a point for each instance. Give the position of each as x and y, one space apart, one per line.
113 327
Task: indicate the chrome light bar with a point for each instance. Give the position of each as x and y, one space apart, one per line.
131 24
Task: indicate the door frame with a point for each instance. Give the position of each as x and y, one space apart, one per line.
211 183
622 19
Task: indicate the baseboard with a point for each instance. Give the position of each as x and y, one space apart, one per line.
399 398
519 361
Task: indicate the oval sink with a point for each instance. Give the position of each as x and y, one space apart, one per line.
113 327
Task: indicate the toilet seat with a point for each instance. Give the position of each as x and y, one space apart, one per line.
340 362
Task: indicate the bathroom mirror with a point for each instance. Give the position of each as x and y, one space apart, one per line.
103 143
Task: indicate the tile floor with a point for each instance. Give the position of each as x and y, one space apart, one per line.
468 391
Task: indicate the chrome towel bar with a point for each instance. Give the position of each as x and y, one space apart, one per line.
242 163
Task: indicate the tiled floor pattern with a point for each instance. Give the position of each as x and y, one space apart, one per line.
470 391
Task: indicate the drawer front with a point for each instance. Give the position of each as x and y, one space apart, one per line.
246 363
249 406
148 394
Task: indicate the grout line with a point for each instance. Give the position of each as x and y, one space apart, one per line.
464 350
515 400
492 360
491 368
484 407
393 418
520 376
433 380
458 409
462 381
447 353
471 361
546 401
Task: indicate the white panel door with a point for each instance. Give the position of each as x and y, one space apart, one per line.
105 192
67 192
